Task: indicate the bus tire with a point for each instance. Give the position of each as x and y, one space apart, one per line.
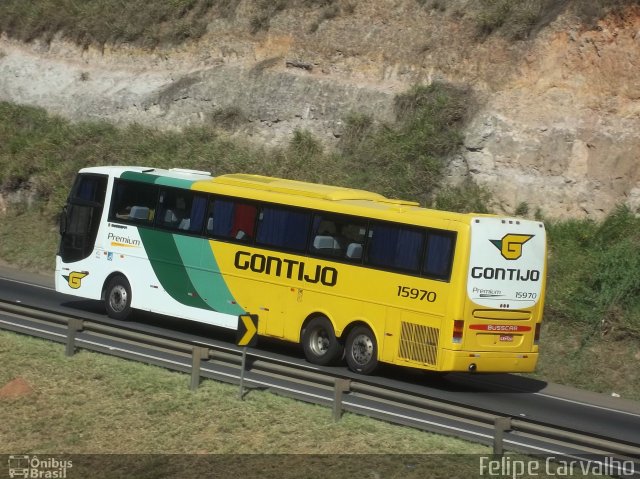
319 342
117 298
361 350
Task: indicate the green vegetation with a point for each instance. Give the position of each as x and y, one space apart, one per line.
591 335
519 19
160 23
513 19
407 159
599 264
96 22
93 404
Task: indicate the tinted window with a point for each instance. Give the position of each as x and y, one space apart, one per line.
439 255
90 189
81 217
181 210
283 228
231 219
395 247
337 237
134 202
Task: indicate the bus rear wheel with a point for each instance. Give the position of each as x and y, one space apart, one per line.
320 343
362 350
117 298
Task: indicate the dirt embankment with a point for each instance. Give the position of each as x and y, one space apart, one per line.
557 115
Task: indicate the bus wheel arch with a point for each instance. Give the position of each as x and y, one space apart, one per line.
116 293
361 348
319 341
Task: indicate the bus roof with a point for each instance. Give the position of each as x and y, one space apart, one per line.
313 195
302 188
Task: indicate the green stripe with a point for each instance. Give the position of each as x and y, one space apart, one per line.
205 274
141 177
157 180
186 264
169 269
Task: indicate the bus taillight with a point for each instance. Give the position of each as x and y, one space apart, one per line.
458 328
536 337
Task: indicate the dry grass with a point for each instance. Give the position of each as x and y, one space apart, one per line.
91 409
571 355
92 403
28 240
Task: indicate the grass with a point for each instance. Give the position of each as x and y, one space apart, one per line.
407 159
154 23
98 411
97 22
116 418
570 354
599 268
96 404
520 19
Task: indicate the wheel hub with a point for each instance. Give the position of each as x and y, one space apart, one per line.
319 342
118 298
362 350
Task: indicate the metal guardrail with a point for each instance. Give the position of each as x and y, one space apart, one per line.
309 383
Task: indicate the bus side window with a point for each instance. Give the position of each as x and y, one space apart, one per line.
134 202
231 220
181 210
439 256
337 236
395 247
283 228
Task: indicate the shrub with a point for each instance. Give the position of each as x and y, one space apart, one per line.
594 272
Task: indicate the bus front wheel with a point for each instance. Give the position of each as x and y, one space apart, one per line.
117 298
362 350
320 343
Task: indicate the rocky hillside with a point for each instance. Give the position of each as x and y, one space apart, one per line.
556 103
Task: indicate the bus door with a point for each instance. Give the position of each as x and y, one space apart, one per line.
81 216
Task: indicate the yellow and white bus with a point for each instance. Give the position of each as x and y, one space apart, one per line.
347 273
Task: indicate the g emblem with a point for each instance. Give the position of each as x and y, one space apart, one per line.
510 245
75 278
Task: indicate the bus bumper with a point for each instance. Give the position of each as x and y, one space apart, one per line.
488 362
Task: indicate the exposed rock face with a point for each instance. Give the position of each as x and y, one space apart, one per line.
562 133
556 129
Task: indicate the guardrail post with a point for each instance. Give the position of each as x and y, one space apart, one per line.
243 367
197 355
340 386
501 425
74 325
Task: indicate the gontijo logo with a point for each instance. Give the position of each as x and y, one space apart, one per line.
75 278
510 245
